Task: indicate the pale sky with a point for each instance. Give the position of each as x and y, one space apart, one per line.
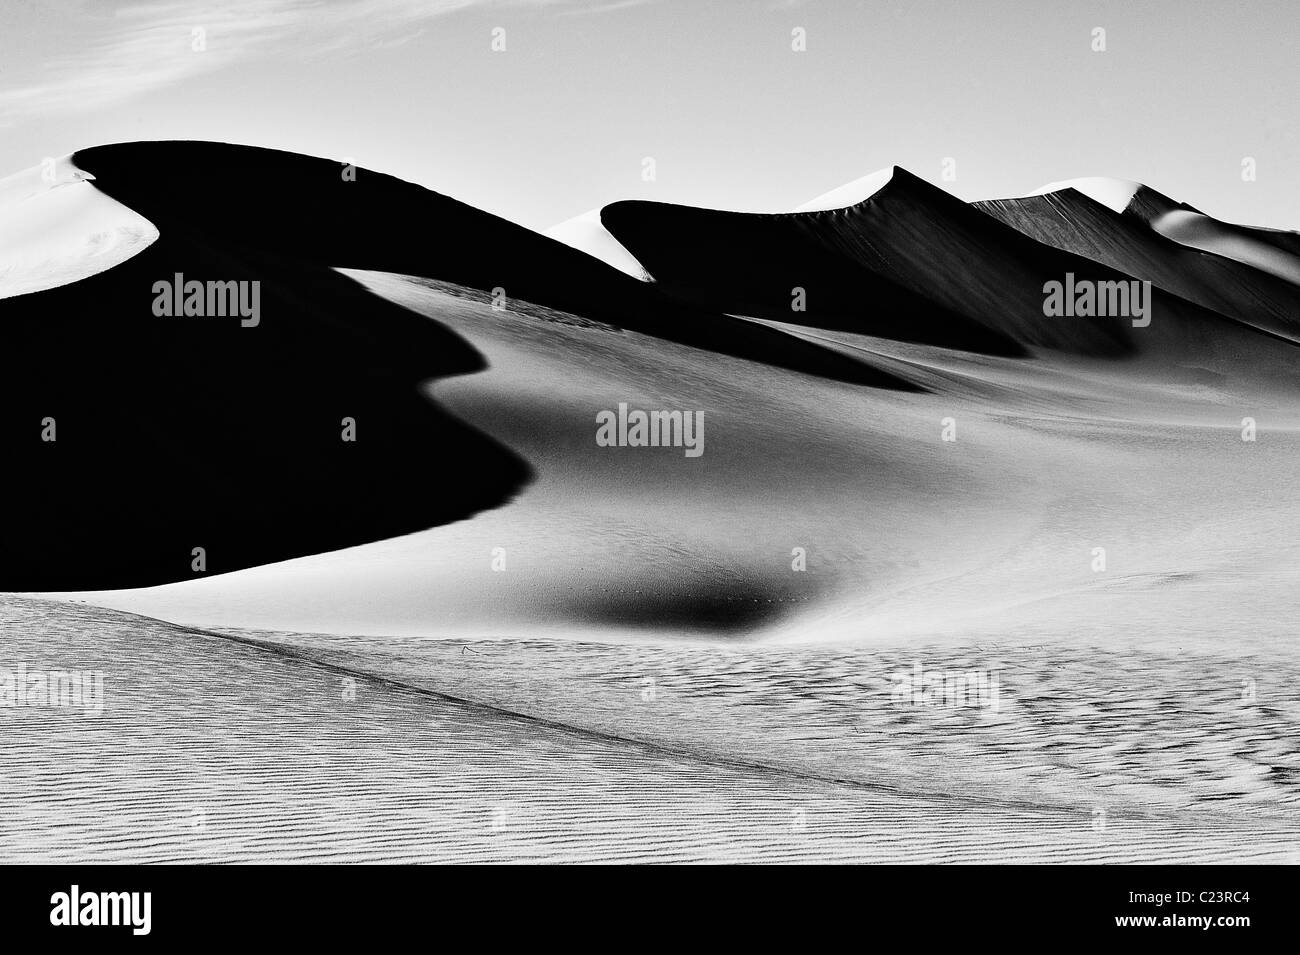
734 118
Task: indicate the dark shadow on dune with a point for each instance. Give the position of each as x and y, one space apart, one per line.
1073 222
303 206
735 610
753 264
177 433
911 262
1147 205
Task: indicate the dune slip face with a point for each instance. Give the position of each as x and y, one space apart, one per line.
198 441
907 262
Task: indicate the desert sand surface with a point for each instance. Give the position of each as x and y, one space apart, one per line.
218 750
562 650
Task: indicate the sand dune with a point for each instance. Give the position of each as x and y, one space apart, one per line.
921 467
849 194
136 439
982 279
307 209
504 427
1051 460
1115 194
166 399
1071 220
1273 251
56 229
587 234
765 265
1232 242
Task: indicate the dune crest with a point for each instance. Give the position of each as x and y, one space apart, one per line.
1114 194
1239 243
56 228
587 233
849 194
1075 222
910 263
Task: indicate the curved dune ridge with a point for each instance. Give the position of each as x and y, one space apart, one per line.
148 437
56 229
907 261
1115 194
587 234
1234 242
789 268
1076 222
849 194
306 208
1273 251
135 388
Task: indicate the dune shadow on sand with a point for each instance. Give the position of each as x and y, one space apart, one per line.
184 432
196 432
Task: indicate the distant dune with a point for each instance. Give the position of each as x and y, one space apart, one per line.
758 264
1271 253
1075 222
907 262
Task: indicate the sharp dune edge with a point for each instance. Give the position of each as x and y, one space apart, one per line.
823 433
56 229
587 234
1075 222
1251 247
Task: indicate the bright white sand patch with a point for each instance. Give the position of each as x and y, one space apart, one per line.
57 228
587 234
1231 242
849 194
1114 194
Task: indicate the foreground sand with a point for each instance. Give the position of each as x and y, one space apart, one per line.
210 748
